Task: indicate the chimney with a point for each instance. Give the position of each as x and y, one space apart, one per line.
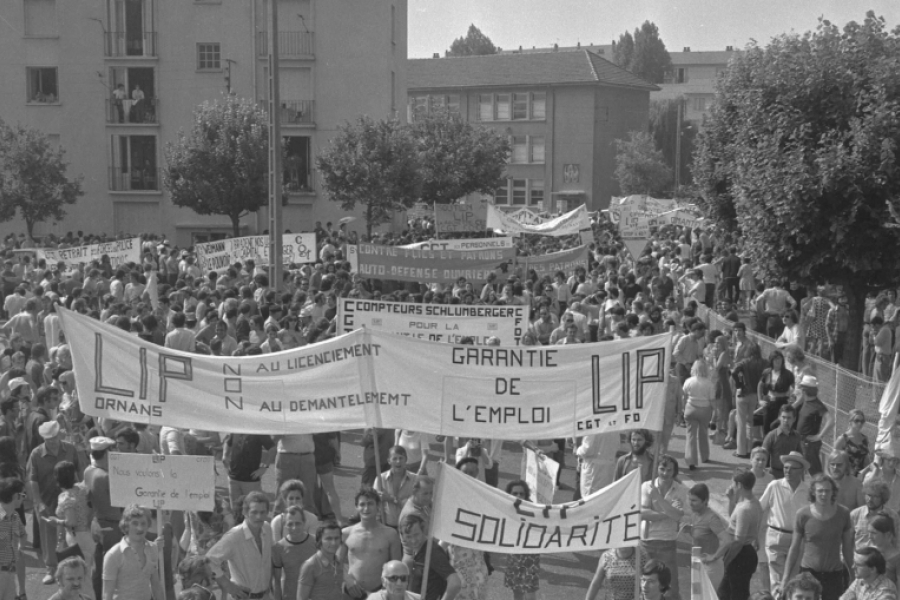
556 47
729 48
520 49
436 55
578 45
687 49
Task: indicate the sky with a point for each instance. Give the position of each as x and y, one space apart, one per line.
698 24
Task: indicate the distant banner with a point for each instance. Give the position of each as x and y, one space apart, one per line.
435 322
568 224
120 252
297 248
680 217
372 378
549 264
540 474
450 218
464 244
472 514
526 216
645 203
419 265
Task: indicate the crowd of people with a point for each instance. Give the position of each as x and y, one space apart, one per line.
295 541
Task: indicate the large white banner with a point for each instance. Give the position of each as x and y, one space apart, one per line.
568 224
120 252
464 244
372 378
297 248
435 322
166 482
472 514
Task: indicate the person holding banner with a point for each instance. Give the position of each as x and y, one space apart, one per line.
523 571
443 581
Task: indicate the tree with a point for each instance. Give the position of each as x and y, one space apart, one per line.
33 177
802 148
474 44
457 158
644 53
640 167
663 126
373 163
221 166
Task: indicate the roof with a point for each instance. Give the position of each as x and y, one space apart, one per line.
702 58
495 70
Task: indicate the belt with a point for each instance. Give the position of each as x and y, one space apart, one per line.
297 453
780 529
255 595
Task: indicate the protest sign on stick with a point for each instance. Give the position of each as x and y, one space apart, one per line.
540 475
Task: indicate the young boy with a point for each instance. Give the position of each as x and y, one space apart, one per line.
290 553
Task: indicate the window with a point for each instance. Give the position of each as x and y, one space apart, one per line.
453 104
209 57
519 149
681 75
42 85
520 106
501 195
537 149
419 106
298 164
539 105
485 107
519 192
134 165
503 107
699 104
537 192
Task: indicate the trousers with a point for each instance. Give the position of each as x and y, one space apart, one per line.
746 404
738 573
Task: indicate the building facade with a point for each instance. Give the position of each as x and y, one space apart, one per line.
113 82
562 112
692 78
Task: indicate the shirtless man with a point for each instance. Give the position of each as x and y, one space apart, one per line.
368 545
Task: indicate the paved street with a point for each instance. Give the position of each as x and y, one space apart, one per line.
564 576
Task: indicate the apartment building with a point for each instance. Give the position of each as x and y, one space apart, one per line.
562 112
113 82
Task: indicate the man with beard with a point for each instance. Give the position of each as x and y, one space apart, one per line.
638 458
850 493
876 493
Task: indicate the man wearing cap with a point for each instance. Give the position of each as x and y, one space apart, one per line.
813 421
41 465
781 501
106 516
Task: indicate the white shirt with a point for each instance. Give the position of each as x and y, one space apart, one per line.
250 567
782 503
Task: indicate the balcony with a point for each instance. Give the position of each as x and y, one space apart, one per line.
120 44
291 44
298 181
136 180
127 112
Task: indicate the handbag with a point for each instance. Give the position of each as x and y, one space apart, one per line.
62 550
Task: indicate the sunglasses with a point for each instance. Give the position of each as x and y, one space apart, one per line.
397 578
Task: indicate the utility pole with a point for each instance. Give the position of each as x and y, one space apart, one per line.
678 145
275 169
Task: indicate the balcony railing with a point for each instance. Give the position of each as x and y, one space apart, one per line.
145 111
299 181
135 180
290 43
293 112
127 44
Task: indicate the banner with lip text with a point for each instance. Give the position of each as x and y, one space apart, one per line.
451 218
297 248
435 322
166 482
549 264
421 265
371 378
120 252
568 224
464 244
472 514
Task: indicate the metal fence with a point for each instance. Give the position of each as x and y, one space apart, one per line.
840 390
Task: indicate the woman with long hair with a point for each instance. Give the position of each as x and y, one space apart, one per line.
854 442
700 393
523 571
775 389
